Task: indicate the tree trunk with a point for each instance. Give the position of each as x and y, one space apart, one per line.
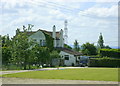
29 66
25 65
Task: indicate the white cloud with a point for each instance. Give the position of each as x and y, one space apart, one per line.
42 15
85 0
59 15
101 12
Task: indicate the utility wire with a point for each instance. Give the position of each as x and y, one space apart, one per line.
54 5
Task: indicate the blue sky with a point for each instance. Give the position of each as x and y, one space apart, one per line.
86 18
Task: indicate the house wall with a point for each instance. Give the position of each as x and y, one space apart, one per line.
72 59
38 36
57 43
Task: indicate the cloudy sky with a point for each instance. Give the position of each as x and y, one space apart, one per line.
86 18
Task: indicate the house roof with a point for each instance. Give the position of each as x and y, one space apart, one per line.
50 33
70 51
46 32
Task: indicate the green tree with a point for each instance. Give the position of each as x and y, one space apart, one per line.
42 55
76 46
89 49
6 49
67 46
55 55
21 48
101 41
107 47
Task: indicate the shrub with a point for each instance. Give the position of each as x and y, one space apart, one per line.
115 53
104 62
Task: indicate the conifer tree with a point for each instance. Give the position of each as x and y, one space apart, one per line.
76 46
101 41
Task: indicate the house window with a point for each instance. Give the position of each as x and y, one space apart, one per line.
44 42
40 42
66 57
34 40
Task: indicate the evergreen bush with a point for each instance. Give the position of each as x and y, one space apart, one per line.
114 53
104 62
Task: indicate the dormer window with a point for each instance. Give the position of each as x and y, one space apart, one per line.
42 42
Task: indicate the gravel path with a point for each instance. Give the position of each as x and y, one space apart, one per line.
13 71
17 71
51 81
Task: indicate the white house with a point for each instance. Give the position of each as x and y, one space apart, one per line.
40 38
68 56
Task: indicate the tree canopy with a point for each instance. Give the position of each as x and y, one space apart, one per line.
89 49
76 46
101 41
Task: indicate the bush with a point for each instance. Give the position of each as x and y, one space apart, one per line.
115 53
104 62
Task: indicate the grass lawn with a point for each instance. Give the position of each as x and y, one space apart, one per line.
97 74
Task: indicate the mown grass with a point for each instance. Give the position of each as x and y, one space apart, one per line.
97 74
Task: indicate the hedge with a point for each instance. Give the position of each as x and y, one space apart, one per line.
115 53
104 62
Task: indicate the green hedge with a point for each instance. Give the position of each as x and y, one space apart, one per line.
115 53
104 62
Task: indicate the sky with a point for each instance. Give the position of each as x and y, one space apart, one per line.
86 18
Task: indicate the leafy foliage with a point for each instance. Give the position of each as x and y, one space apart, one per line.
115 53
76 46
49 42
21 48
54 54
6 49
89 49
67 46
101 41
42 54
104 62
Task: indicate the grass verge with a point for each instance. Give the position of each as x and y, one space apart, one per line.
96 74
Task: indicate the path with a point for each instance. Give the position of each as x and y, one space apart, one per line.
43 69
51 81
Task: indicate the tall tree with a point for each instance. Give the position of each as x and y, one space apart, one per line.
76 46
6 49
21 48
101 41
89 49
67 46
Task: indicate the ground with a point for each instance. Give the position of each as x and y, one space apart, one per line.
14 80
51 81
